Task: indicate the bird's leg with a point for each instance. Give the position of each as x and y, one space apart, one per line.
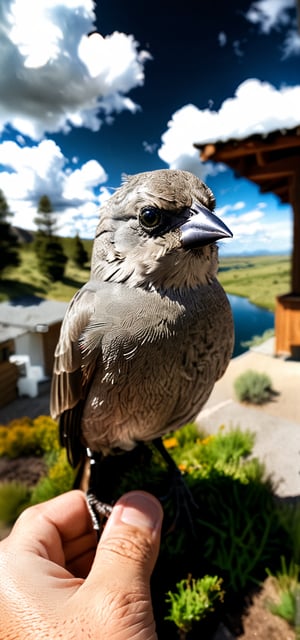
183 494
99 511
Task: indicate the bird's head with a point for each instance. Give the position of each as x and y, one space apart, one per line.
159 230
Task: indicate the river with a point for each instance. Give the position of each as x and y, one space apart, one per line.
249 321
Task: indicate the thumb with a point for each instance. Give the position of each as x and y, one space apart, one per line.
119 581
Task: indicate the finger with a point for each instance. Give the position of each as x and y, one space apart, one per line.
132 533
59 529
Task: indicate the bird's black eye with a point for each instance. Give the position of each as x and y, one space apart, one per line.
150 218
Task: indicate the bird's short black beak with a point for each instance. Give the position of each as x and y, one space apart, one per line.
202 227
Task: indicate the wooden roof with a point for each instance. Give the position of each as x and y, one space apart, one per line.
271 161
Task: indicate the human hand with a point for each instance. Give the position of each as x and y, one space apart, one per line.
57 583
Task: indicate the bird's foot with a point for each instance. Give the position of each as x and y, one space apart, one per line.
99 511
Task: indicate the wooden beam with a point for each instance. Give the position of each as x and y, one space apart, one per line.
223 151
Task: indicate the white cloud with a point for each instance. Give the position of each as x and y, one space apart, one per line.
177 148
54 76
291 44
257 107
279 15
270 14
75 194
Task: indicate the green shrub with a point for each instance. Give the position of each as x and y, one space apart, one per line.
60 478
240 530
24 437
14 497
193 600
253 387
223 451
287 585
257 340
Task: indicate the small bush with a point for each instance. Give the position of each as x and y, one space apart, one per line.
223 451
257 340
60 478
253 387
26 437
193 600
287 585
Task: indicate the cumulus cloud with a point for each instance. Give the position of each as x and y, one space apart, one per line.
177 148
270 14
291 44
30 172
256 108
281 16
53 75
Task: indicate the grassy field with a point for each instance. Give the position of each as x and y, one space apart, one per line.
260 279
26 280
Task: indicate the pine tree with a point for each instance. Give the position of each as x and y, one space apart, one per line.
49 250
80 255
52 259
46 222
9 245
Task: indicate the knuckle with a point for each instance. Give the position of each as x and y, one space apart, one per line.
137 548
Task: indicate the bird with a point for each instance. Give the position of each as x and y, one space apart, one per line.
143 342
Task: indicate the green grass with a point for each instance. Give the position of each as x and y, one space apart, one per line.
259 278
27 280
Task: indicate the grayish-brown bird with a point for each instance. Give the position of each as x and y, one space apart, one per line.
144 341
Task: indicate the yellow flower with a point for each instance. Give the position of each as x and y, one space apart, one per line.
170 443
182 467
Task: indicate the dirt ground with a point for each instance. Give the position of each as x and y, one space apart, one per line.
260 624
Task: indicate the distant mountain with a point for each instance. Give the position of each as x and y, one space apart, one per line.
24 235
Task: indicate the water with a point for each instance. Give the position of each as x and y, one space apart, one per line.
249 321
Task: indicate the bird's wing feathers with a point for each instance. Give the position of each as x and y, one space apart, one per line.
95 326
66 389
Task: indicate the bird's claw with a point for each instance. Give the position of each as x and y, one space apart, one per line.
99 511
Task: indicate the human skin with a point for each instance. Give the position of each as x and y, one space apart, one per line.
56 582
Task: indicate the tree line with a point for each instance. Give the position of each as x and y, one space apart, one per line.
48 247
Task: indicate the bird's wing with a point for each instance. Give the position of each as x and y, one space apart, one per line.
70 379
102 318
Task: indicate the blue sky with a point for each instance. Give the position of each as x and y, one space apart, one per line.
92 90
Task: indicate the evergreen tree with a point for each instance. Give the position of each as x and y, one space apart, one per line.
80 255
52 259
49 250
46 222
9 245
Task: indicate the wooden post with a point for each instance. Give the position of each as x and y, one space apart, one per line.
295 201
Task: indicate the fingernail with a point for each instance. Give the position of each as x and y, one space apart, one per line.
141 510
